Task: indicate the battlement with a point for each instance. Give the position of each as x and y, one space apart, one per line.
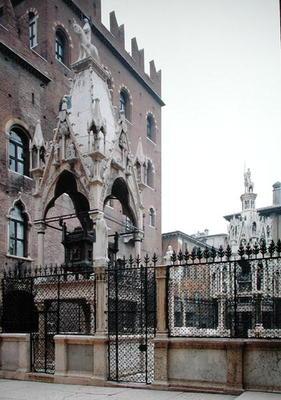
137 55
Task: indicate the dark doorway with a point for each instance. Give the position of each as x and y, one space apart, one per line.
19 311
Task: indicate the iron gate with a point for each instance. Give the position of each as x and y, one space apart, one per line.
131 320
45 302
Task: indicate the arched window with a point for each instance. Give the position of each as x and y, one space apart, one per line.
149 174
254 228
124 104
19 151
18 231
150 128
152 217
32 21
61 47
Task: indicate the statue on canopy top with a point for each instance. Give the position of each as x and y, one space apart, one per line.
87 49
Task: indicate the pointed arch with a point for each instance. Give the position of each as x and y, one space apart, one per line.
120 190
66 183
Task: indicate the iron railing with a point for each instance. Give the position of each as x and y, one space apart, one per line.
45 302
214 293
131 319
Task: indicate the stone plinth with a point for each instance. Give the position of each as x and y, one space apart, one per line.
14 355
220 365
80 359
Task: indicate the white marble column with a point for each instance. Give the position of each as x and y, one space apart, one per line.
41 227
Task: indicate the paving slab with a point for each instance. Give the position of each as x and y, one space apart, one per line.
259 396
24 390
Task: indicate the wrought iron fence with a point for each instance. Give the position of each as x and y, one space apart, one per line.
213 293
131 319
45 302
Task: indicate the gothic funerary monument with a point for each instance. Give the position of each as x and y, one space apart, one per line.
80 137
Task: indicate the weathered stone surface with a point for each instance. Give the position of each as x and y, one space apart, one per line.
198 365
80 358
263 368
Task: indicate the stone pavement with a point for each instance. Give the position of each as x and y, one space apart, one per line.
23 390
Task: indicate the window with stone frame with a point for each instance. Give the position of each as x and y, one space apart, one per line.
152 217
18 231
19 151
149 174
61 47
124 104
128 224
33 32
1 14
150 128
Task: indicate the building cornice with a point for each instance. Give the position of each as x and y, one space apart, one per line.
24 62
186 237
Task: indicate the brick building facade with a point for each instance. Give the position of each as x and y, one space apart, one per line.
37 48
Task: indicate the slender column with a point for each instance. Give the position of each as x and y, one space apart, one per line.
100 366
38 158
161 286
41 235
101 301
100 261
161 341
100 246
138 236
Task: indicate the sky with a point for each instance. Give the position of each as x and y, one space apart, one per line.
221 82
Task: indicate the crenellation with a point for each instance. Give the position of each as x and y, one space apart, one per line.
152 70
9 17
155 75
97 10
121 37
117 31
137 55
22 22
141 59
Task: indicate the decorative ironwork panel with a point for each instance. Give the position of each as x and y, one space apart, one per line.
212 293
52 301
131 321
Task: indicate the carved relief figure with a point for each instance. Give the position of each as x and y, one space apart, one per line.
70 152
99 142
56 146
